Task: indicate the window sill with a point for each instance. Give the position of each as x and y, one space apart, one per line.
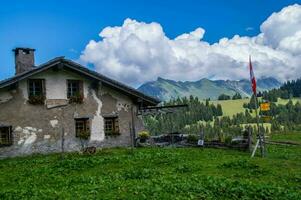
112 134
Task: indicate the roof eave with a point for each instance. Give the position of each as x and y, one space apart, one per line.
108 82
81 69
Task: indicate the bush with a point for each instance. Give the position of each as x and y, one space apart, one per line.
144 134
228 139
193 139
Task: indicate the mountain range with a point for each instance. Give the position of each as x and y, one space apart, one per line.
165 89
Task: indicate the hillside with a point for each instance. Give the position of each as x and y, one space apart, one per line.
165 89
232 107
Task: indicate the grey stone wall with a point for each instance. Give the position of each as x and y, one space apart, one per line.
37 129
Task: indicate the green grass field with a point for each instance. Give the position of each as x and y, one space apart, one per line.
232 107
284 101
156 173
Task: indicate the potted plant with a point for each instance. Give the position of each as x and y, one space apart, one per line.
77 98
36 100
113 133
143 136
84 135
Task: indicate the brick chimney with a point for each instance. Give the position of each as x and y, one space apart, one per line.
24 59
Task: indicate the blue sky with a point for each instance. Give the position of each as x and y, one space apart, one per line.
64 27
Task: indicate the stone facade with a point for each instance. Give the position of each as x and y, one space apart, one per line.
39 128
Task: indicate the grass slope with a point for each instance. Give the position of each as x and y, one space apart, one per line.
155 173
232 107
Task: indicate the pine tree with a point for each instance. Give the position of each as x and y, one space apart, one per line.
236 96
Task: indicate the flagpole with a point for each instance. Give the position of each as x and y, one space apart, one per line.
260 135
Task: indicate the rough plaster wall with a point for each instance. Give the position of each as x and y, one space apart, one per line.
115 103
56 83
122 101
39 130
54 123
138 121
5 96
124 106
27 137
97 129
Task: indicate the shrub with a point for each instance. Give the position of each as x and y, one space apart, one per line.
144 135
192 138
228 139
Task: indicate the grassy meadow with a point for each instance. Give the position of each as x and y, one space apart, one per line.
232 107
156 173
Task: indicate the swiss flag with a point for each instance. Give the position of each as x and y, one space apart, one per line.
252 77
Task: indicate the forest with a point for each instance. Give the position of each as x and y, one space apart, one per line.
204 116
288 90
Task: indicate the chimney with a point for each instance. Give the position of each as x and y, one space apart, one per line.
24 59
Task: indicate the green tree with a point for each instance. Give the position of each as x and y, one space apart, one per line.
224 97
236 96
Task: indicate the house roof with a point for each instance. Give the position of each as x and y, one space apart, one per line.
83 70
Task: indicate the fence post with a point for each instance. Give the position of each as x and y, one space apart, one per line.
249 139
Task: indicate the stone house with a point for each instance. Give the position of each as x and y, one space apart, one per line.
52 107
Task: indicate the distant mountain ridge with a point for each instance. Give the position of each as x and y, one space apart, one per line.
165 89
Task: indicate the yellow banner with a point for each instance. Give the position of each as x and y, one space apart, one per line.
265 106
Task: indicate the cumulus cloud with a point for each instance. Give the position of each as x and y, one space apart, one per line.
137 52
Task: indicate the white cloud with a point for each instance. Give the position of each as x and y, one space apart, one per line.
137 52
281 25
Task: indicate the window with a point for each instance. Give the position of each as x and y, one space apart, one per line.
36 87
82 127
75 91
111 126
74 88
36 91
6 136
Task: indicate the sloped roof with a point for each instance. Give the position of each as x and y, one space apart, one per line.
83 70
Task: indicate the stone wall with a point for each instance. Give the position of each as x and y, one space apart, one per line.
37 129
